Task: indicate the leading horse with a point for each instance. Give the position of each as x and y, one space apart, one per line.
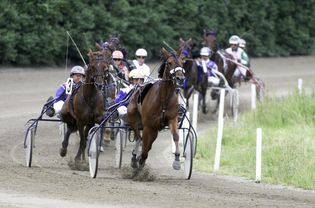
85 106
156 106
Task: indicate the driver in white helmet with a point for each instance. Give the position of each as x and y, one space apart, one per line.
136 77
239 56
208 66
139 62
77 73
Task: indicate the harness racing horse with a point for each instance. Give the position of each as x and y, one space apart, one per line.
195 79
156 106
223 60
85 107
227 65
112 83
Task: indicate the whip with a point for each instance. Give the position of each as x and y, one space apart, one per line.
77 49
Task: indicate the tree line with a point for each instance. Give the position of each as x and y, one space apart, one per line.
33 32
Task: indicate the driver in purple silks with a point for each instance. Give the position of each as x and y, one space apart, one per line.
208 66
136 77
77 73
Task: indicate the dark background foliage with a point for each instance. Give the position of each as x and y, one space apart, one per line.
33 32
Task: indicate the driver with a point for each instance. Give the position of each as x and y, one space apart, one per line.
136 77
77 73
240 57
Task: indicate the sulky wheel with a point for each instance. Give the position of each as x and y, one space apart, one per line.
188 155
28 145
94 138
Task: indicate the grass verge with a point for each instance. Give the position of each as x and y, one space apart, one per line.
288 151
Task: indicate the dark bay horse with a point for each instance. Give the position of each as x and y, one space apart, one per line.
112 82
222 59
85 106
156 106
195 78
227 65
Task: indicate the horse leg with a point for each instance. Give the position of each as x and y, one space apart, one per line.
65 142
188 95
135 153
133 120
148 137
216 104
204 105
107 136
174 131
135 150
187 99
82 142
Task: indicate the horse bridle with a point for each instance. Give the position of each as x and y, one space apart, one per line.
99 73
176 80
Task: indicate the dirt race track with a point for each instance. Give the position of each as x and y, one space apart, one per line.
51 183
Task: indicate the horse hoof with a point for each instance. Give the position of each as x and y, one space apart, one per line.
176 165
63 152
205 110
134 164
141 164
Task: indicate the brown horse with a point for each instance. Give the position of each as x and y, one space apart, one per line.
222 59
156 106
195 79
85 107
112 83
227 65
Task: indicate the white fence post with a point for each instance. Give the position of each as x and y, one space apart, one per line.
195 111
300 85
258 154
253 97
220 132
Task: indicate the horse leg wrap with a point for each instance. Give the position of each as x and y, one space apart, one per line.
134 161
176 163
177 156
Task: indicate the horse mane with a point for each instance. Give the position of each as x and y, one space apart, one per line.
161 69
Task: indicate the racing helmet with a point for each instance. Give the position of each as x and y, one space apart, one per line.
141 52
205 51
136 74
118 55
234 39
242 43
77 70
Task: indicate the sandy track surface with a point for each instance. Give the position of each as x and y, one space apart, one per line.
51 183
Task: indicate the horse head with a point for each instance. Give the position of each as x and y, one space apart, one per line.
112 44
186 46
113 41
210 39
98 68
173 67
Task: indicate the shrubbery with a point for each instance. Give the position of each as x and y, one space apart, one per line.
34 32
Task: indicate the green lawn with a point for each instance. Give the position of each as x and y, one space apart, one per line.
288 151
